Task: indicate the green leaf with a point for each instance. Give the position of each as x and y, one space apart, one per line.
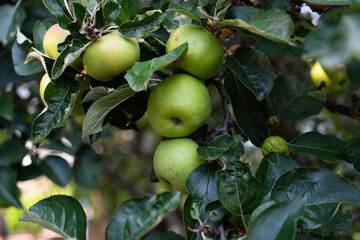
215 211
60 99
292 99
226 148
95 93
12 152
11 18
129 9
8 188
7 71
326 147
57 170
97 112
352 71
142 25
281 4
340 225
239 192
322 189
276 222
139 75
61 214
39 31
251 115
330 2
335 39
272 24
6 108
164 235
271 168
352 152
61 10
80 14
253 69
137 216
87 167
19 52
188 8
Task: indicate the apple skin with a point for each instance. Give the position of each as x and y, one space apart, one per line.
335 79
274 144
45 80
205 54
53 37
178 106
174 160
110 55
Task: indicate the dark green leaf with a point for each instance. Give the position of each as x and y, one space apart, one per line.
340 225
292 99
137 216
57 169
277 222
226 148
238 190
335 39
87 167
322 189
250 114
11 152
352 152
272 24
7 72
60 10
60 99
39 31
61 214
325 147
142 25
330 2
253 69
8 188
281 4
129 9
164 236
215 211
272 167
11 18
19 53
268 47
352 71
139 75
98 111
6 108
188 8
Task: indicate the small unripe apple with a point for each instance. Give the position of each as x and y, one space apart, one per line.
110 55
205 54
53 37
178 106
274 144
174 160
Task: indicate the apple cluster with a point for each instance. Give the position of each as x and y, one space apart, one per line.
181 104
177 106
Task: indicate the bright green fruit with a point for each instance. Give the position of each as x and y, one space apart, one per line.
335 79
53 37
174 160
178 106
45 80
275 144
205 53
110 55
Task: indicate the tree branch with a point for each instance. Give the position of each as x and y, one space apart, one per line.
353 112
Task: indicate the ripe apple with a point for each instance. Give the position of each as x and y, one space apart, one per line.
205 53
110 55
174 160
178 106
274 144
335 79
53 37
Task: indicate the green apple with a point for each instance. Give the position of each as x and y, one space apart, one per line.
178 106
174 160
45 80
205 54
274 144
53 37
110 55
335 79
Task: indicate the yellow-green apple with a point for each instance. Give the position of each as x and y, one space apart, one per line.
205 54
178 106
174 160
53 37
274 144
110 55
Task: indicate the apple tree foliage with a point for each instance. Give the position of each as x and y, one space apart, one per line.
269 45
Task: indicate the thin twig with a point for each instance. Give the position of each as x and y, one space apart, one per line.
352 112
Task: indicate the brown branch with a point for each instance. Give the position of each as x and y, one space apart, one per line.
352 112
